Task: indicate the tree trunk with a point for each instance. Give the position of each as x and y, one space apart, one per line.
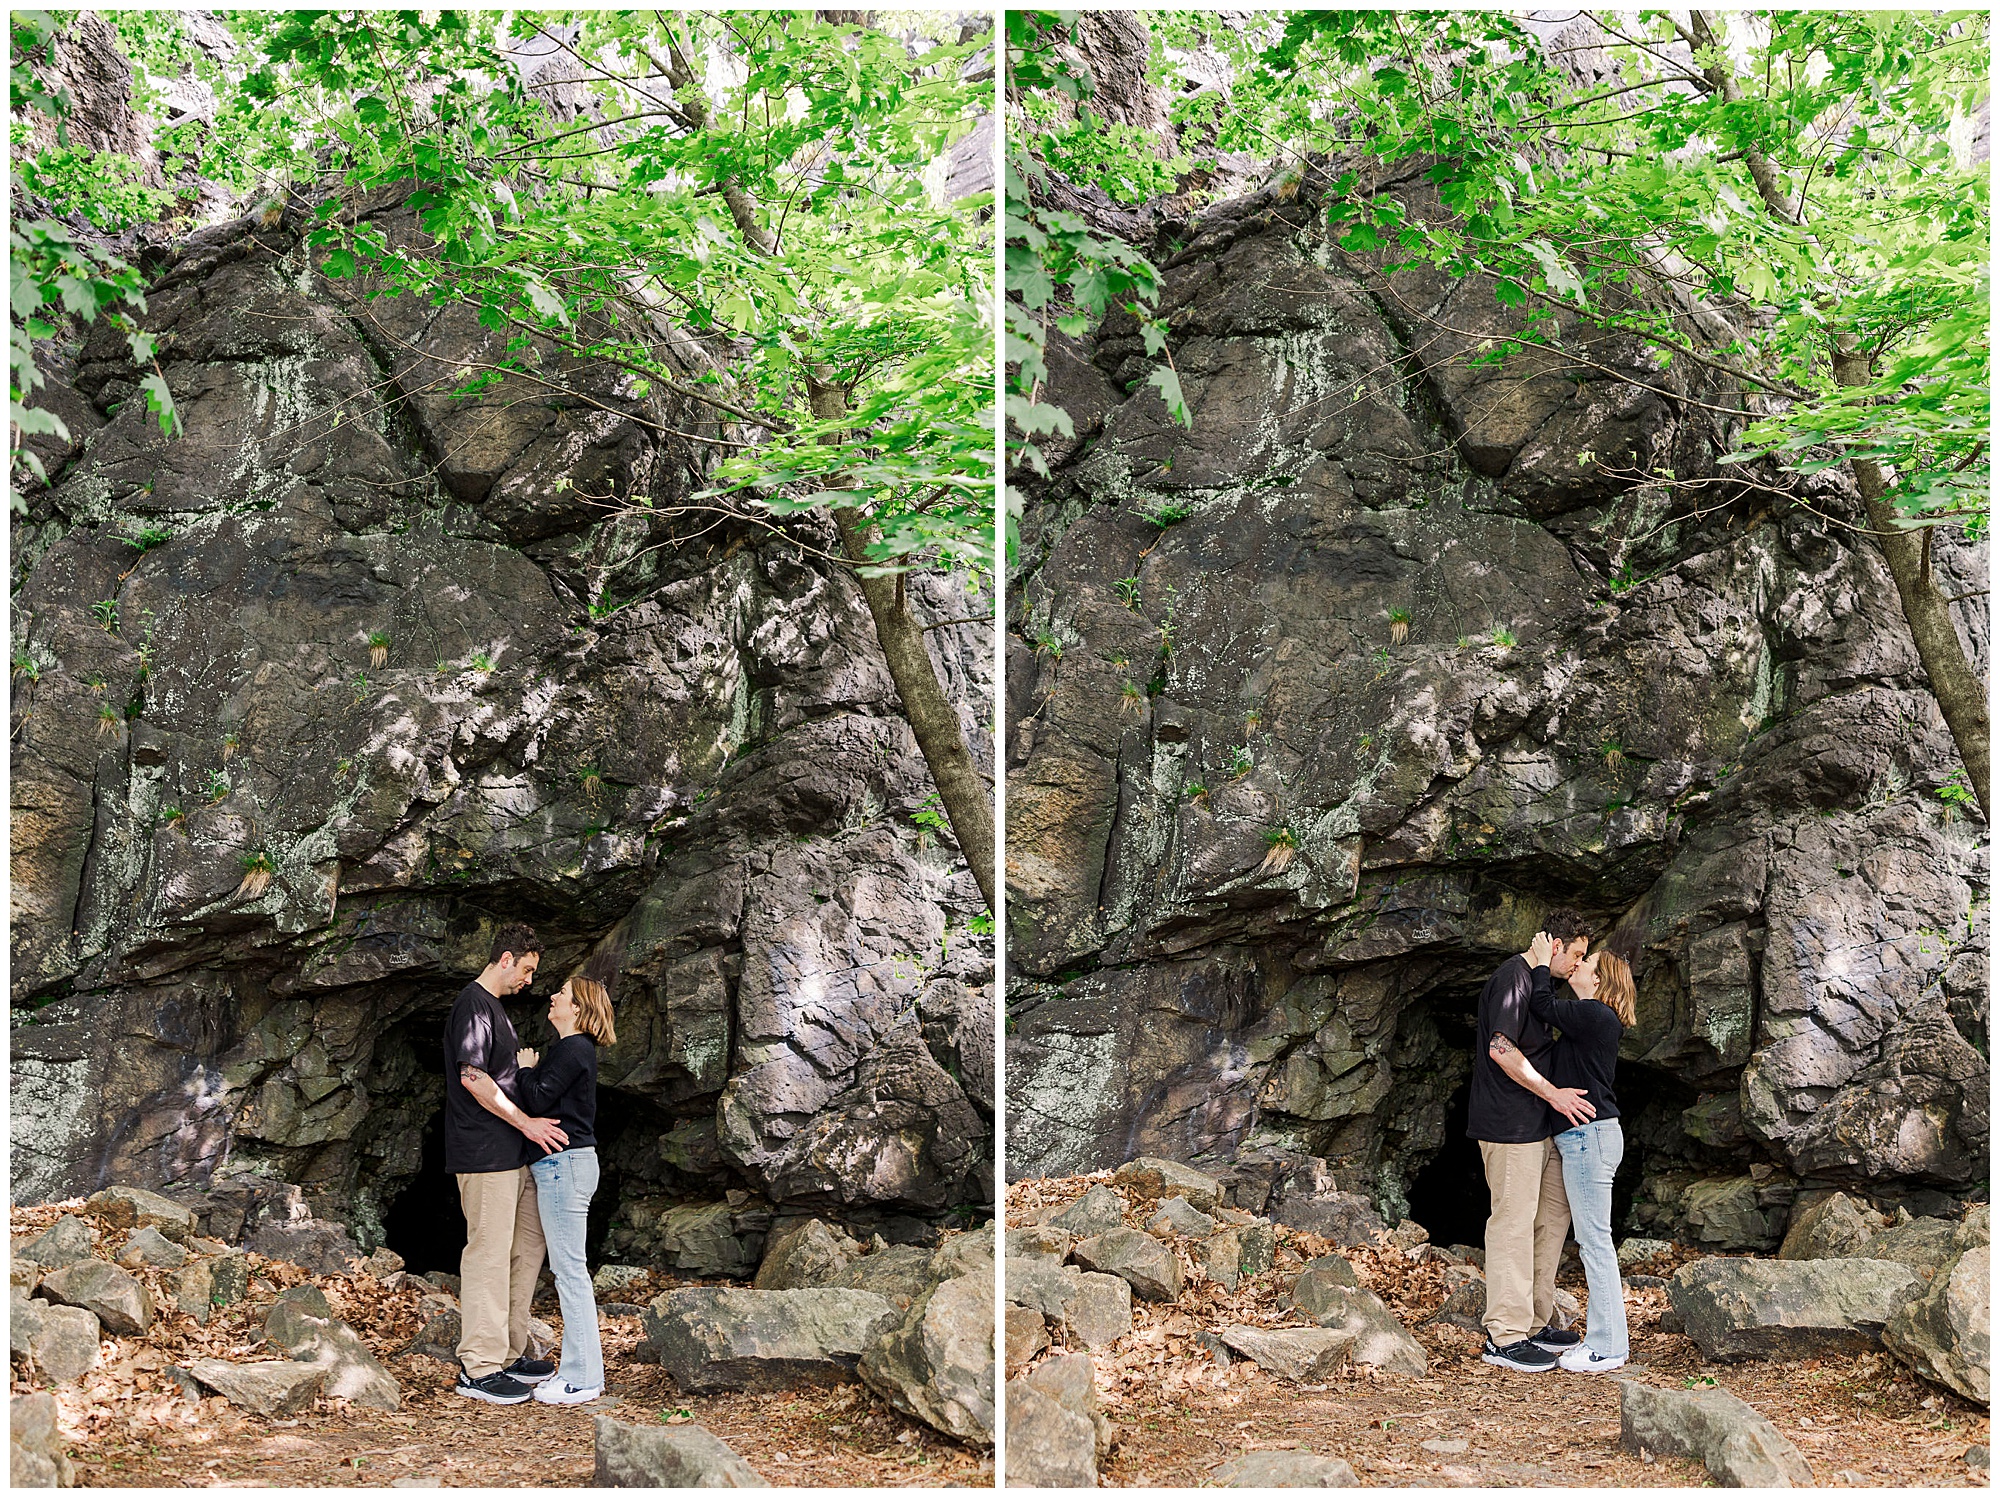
1960 692
968 804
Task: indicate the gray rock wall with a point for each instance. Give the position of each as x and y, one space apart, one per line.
670 742
1697 715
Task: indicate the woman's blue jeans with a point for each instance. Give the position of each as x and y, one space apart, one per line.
1590 1155
564 1185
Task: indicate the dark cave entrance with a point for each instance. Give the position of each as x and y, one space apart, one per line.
1448 1197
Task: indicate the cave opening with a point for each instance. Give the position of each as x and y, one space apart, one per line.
1448 1197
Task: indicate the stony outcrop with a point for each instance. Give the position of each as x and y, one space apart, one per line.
1945 1330
686 1456
1776 1308
762 1340
1317 705
35 1455
938 1365
319 691
1740 1448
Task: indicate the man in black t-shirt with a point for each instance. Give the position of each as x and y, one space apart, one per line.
1510 1098
488 1142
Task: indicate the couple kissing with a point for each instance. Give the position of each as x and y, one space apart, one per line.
1545 1115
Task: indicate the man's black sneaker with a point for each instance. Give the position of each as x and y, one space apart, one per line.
1555 1339
1522 1357
527 1370
495 1388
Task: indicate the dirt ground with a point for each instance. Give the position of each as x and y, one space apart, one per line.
1862 1421
128 1424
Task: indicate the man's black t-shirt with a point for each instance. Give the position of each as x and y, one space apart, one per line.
479 1033
563 1086
1586 1054
1501 1110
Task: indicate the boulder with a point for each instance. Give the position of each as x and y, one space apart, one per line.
762 1340
1379 1339
129 1208
1070 1379
1258 1250
193 1286
105 1290
1097 1308
1099 1311
898 1272
53 1344
1179 1218
613 1279
1098 1210
229 1280
938 1365
1039 1242
1135 1257
1347 1217
1740 1448
1220 1256
36 1457
1465 1305
1027 1334
1945 1331
1631 1251
149 1247
1327 1272
1779 1308
439 1336
1048 1446
1303 1354
382 1263
704 1238
312 1244
1728 1213
66 1241
282 1388
961 1254
667 1456
353 1373
1283 1469
1834 1227
1149 1177
1041 1284
1923 1243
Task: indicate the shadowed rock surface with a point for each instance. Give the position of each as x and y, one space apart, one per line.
356 669
1317 706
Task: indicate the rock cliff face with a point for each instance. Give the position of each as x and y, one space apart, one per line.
374 644
1419 618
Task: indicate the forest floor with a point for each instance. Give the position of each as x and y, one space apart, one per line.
126 1423
1861 1421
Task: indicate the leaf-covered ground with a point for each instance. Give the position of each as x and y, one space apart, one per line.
127 1423
1863 1421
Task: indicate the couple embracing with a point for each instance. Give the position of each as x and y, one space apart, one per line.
518 1135
1546 1118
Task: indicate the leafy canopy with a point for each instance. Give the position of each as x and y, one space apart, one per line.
1806 172
770 182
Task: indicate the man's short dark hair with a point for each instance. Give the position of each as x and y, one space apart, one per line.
1566 923
516 938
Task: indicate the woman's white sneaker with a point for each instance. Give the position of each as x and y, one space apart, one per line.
555 1391
1579 1359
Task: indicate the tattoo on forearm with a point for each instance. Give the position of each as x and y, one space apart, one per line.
1499 1045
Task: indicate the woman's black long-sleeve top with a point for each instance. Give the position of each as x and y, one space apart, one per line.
1586 1053
563 1086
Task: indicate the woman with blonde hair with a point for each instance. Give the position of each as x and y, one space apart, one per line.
1586 1057
564 1084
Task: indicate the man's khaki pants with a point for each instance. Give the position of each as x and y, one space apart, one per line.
1524 1237
497 1272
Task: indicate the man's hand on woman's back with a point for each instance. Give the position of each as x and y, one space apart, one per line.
547 1133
